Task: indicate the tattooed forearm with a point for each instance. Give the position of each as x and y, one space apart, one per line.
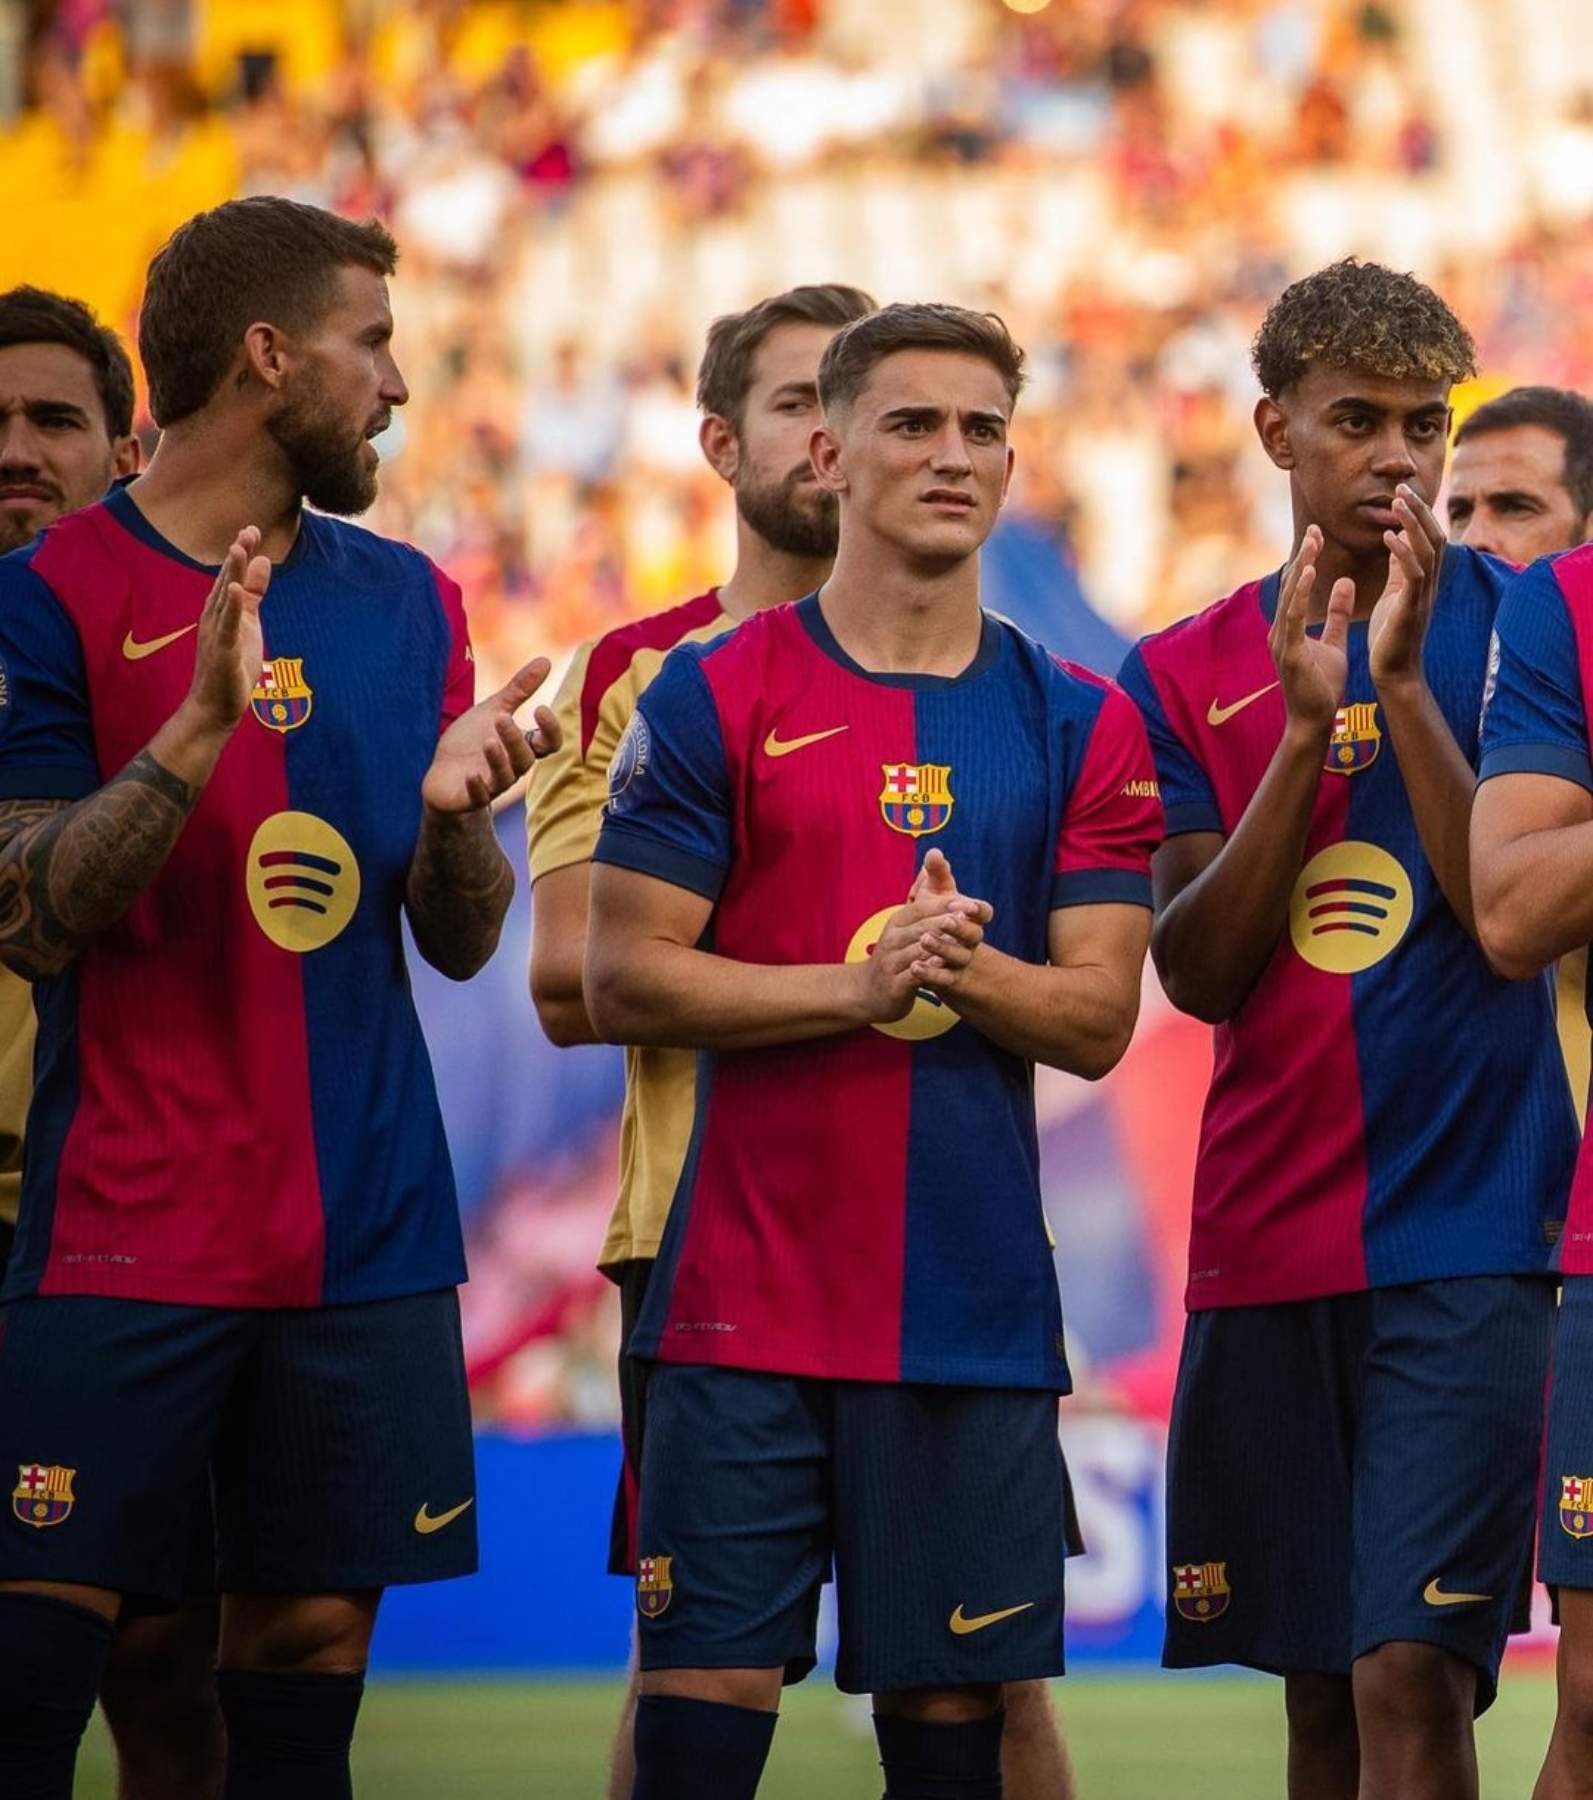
67 871
460 886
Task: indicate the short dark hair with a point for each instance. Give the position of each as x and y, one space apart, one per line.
1555 409
260 258
1360 315
32 315
851 356
725 375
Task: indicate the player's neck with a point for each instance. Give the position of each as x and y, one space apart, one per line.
199 492
766 577
1369 572
893 619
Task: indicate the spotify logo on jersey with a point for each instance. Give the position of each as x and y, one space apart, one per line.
1350 907
303 881
930 1015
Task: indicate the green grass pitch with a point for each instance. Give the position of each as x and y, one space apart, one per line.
1197 1737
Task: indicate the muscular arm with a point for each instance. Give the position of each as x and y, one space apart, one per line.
1221 903
558 954
1531 870
459 889
1440 784
1077 1010
647 983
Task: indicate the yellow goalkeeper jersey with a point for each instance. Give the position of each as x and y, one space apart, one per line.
564 809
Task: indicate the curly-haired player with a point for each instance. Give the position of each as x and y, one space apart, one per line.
1388 1138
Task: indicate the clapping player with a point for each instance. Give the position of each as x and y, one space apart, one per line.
876 854
238 748
1388 1136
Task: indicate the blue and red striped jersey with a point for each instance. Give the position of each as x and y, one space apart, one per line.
867 1206
234 1105
1383 1108
1537 722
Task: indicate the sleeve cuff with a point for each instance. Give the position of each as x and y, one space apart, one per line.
668 862
1100 887
48 783
1539 759
1192 815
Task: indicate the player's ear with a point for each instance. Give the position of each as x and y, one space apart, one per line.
1272 427
824 451
127 457
264 355
720 446
1006 479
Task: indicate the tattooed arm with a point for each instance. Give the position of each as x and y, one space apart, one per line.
460 882
69 870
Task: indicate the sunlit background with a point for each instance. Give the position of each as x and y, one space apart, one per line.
578 188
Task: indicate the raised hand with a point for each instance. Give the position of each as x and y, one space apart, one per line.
230 649
1397 633
483 753
1311 671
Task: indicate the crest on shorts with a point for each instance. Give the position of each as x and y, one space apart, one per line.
1356 739
654 1589
282 698
1200 1591
916 798
1576 1505
43 1494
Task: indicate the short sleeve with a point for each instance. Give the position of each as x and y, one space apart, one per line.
564 803
1112 816
668 811
46 732
1188 798
1533 718
459 682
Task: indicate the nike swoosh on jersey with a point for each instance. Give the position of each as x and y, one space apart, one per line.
962 1626
1219 715
134 651
1434 1595
425 1524
772 746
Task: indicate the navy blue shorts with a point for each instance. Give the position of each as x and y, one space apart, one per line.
1565 1555
337 1438
943 1508
1356 1471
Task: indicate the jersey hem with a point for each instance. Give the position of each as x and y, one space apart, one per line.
181 1293
927 1371
1219 1296
47 784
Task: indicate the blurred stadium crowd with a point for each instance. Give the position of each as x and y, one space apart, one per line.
579 186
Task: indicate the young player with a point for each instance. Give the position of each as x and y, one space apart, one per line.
1521 486
1388 1136
1532 856
875 853
238 1241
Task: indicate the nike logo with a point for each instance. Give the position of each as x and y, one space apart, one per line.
425 1524
1220 715
773 746
1435 1596
963 1626
133 650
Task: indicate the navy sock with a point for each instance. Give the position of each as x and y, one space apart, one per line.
51 1657
288 1735
940 1762
690 1749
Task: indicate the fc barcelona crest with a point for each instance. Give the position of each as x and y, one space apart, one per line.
1576 1505
1356 739
654 1589
1200 1591
916 798
43 1494
282 698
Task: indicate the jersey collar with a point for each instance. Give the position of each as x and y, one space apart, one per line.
811 615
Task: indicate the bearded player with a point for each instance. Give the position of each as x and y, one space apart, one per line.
1388 1135
238 750
875 854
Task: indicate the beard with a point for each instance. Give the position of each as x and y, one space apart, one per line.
324 452
793 516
